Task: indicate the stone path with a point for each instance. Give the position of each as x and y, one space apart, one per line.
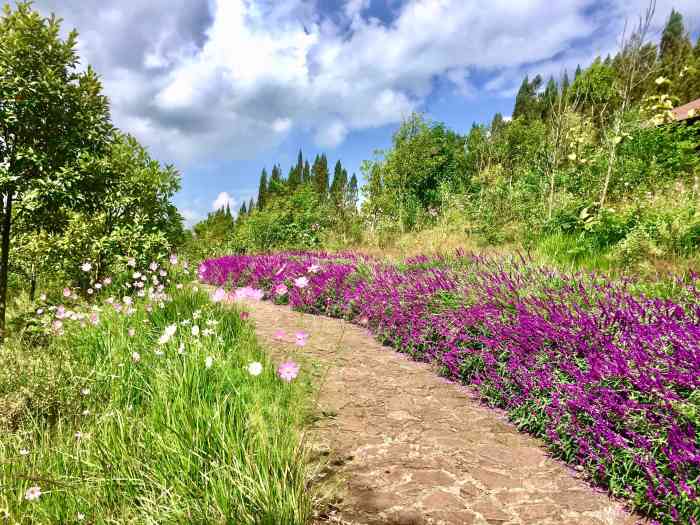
407 447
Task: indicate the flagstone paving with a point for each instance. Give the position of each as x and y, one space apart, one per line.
405 447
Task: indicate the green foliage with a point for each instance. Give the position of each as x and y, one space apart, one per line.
292 222
53 121
161 439
593 172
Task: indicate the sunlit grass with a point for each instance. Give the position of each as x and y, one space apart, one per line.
111 431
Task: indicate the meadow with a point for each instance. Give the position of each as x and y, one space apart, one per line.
606 372
141 400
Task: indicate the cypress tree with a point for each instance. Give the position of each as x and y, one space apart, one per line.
674 51
300 166
565 83
321 175
497 123
242 212
294 178
275 184
548 97
306 176
251 205
353 193
339 185
521 99
578 72
262 190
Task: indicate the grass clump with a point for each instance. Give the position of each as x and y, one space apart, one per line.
148 428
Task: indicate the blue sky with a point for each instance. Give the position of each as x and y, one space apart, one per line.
223 88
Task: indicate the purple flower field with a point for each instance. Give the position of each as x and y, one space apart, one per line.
608 376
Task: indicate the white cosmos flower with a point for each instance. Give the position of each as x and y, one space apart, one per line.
86 267
209 362
255 368
195 330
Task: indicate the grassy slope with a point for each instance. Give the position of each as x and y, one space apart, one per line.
163 440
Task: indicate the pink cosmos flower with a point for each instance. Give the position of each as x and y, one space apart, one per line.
173 259
219 295
314 268
33 493
57 326
301 282
288 371
248 293
66 292
131 332
94 319
244 315
278 272
301 338
107 281
281 290
153 266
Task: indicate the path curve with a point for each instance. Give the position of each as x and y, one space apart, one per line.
409 448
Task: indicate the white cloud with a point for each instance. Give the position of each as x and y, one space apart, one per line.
331 135
230 79
222 200
191 216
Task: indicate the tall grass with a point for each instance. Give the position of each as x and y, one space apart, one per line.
109 438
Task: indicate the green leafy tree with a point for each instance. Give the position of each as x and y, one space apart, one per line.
51 115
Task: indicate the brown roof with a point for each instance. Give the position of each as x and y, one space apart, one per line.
681 112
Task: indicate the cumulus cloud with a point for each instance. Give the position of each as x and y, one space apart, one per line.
232 78
222 200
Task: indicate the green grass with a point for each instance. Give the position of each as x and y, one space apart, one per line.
165 439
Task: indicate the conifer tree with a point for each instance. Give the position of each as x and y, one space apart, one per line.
548 97
243 211
275 184
251 205
353 193
675 51
294 178
521 99
526 101
306 176
339 185
262 190
577 72
497 123
565 83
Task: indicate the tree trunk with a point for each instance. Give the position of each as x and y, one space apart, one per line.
4 258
